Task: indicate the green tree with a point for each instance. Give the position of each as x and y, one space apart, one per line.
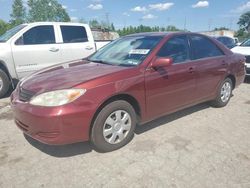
18 13
220 28
172 28
112 27
46 10
244 21
3 27
94 24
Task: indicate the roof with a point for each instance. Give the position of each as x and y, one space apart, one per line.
162 34
54 23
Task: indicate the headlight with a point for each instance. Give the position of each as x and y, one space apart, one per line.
57 98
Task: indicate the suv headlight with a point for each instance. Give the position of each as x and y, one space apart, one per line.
57 98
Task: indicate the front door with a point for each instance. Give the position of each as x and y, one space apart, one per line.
172 87
36 49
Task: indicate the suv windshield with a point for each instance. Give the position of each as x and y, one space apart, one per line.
8 34
126 51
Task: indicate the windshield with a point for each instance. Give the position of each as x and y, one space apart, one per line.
6 36
126 51
246 43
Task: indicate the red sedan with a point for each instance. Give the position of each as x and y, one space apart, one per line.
132 80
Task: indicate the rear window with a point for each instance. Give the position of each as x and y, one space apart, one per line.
74 34
202 47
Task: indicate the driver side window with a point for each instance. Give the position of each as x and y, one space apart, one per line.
176 48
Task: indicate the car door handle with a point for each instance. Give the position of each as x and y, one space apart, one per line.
54 49
191 70
223 63
89 48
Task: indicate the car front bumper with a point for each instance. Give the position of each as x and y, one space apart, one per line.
52 125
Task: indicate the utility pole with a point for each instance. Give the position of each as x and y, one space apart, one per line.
209 24
107 19
231 23
185 23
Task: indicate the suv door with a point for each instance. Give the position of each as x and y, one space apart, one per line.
76 44
35 49
210 67
171 88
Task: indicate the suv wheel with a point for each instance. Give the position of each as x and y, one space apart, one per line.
114 126
4 83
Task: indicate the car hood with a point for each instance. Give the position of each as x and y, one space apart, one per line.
66 75
241 50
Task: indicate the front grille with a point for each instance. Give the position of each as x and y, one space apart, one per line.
247 59
25 95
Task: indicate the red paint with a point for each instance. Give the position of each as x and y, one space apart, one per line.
157 91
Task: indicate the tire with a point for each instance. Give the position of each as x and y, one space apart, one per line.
4 83
109 132
223 98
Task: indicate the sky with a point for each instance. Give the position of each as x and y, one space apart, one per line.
193 15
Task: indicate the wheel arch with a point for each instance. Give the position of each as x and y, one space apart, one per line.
126 97
232 77
5 69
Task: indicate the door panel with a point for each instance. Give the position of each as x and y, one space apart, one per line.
75 43
210 73
36 49
169 88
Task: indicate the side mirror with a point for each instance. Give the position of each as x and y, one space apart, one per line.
162 62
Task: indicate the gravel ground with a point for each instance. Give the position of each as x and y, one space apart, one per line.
197 147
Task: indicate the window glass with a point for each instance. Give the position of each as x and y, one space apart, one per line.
228 42
202 47
126 51
176 48
38 35
10 33
74 34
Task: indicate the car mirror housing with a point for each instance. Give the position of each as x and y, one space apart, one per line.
162 62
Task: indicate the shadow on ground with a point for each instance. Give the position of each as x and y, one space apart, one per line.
169 118
61 151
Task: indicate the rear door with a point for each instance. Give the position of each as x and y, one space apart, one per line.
76 42
170 88
210 65
35 49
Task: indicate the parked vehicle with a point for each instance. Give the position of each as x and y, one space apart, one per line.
30 47
227 41
244 48
130 81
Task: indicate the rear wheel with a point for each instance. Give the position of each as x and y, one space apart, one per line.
114 126
4 83
224 93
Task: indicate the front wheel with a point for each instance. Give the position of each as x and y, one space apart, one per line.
224 94
4 83
114 126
